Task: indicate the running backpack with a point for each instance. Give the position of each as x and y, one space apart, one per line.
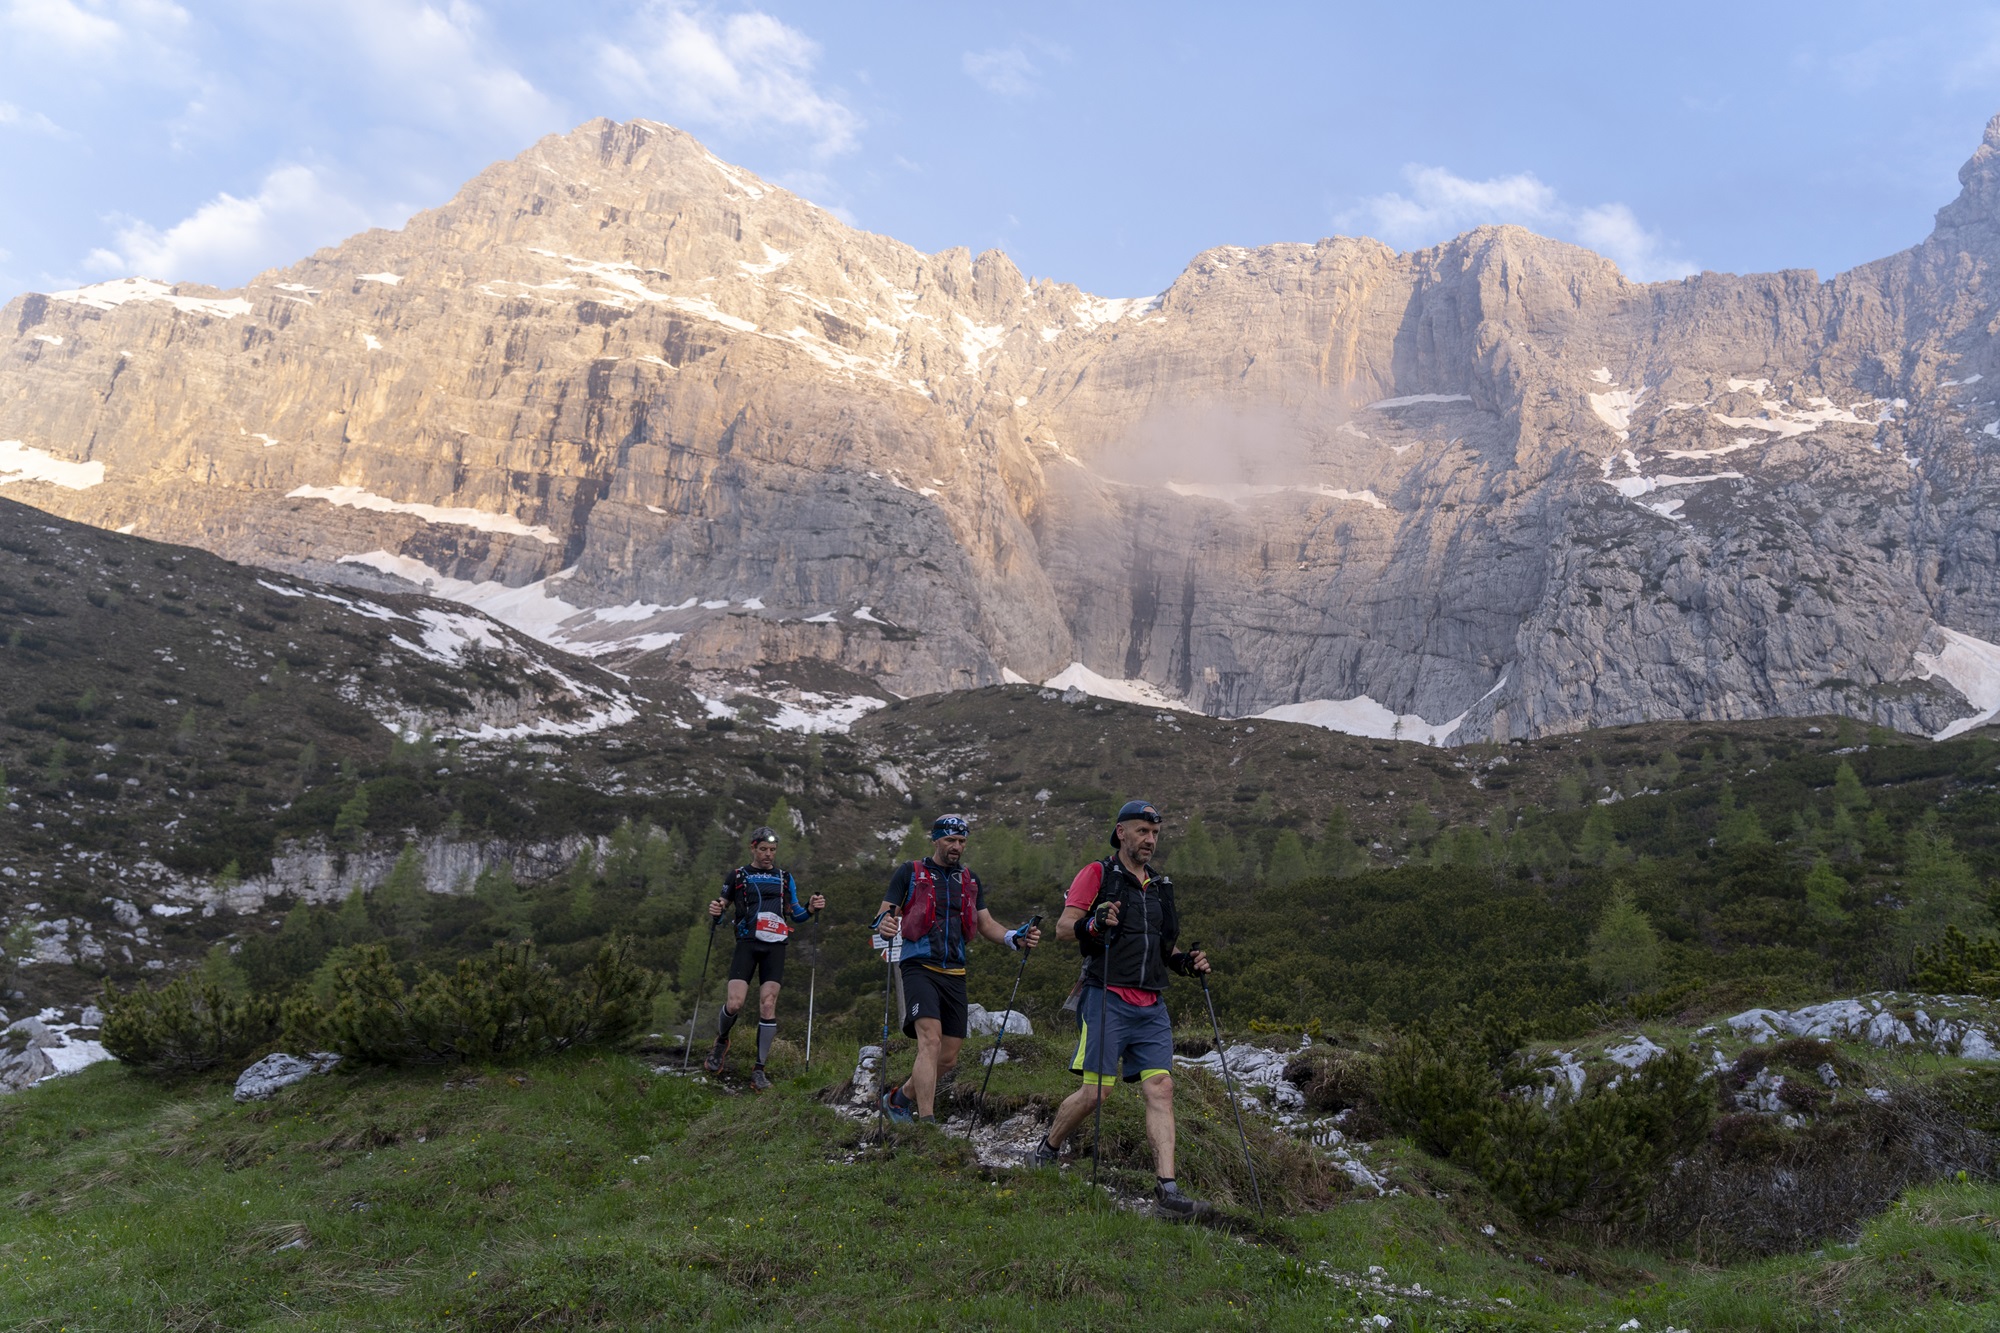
920 912
764 927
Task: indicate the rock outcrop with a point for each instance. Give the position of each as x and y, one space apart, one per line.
652 409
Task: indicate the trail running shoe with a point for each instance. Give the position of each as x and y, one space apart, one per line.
717 1058
1040 1155
759 1082
1173 1203
897 1109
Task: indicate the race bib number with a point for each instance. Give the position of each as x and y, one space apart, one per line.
771 928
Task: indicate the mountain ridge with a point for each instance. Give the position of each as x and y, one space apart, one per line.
666 413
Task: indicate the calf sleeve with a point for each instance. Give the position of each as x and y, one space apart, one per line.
724 1021
767 1032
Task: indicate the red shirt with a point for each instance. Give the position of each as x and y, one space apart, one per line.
1082 893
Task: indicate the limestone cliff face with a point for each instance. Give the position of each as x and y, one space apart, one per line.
654 409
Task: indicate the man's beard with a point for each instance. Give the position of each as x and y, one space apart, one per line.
950 859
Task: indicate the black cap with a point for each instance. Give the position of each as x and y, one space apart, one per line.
1142 810
763 833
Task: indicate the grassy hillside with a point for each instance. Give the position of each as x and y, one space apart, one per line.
592 1192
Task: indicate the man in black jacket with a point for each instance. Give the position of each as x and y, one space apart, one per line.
1121 913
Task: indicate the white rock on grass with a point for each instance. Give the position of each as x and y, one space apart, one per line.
277 1071
1635 1052
985 1022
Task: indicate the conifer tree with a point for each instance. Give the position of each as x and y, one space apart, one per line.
1824 890
1288 861
1624 955
402 902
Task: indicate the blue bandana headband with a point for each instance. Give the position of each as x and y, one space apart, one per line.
950 826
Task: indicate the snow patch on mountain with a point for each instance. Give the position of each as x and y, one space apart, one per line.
354 497
20 462
1970 666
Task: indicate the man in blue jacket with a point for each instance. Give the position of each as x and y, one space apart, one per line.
767 905
934 904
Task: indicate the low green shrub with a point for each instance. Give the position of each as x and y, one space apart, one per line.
188 1025
1591 1159
1959 965
507 1004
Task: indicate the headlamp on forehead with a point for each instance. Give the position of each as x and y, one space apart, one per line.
1141 811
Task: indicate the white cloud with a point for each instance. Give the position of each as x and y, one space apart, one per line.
1003 69
1441 205
227 239
746 71
437 67
92 27
12 117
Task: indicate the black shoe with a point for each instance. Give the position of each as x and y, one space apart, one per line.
1168 1198
758 1081
717 1058
1040 1155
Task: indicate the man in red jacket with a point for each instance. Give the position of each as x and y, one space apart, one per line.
1121 913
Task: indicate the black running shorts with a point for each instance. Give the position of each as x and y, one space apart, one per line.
928 994
755 955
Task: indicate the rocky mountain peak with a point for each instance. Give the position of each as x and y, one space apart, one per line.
653 409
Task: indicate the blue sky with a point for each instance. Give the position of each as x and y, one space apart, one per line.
1098 143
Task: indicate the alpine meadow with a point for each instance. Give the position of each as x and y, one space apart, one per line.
629 754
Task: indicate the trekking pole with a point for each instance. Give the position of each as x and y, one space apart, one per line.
1097 1127
687 1051
812 984
1229 1083
1000 1038
1103 998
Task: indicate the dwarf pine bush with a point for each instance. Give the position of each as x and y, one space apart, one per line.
1590 1159
509 1003
188 1025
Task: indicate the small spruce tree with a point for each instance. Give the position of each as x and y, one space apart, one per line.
1624 956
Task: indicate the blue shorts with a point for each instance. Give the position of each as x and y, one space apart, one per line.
1136 1040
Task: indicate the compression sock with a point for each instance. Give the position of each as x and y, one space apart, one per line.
767 1032
724 1021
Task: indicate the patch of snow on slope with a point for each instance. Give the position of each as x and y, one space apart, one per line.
736 178
51 339
1411 400
1603 375
1614 409
19 462
1092 311
354 497
1970 666
1786 420
1236 493
1077 676
977 340
1634 487
534 608
386 279
1362 716
120 291
1705 453
813 713
773 261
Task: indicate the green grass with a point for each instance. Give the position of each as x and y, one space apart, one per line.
589 1192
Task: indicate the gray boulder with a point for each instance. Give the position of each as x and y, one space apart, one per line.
277 1071
985 1022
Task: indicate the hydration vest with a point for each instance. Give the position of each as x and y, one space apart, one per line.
1135 955
920 912
763 900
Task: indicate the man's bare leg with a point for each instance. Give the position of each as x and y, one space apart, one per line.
1159 1094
